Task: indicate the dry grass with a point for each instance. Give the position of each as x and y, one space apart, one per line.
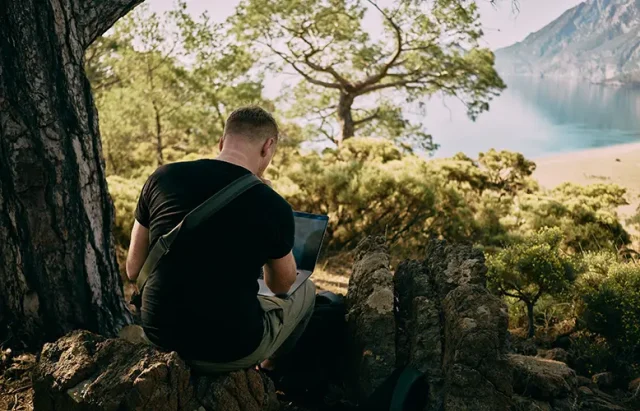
329 281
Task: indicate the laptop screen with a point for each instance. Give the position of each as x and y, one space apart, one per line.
309 229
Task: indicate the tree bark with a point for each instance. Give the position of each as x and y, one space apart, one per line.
345 117
159 155
532 328
58 268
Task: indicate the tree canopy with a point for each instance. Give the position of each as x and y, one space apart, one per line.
353 81
529 269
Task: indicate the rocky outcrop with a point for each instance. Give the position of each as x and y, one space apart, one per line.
446 324
541 384
84 371
542 379
435 315
370 318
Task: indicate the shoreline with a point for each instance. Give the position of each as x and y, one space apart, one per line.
619 164
589 152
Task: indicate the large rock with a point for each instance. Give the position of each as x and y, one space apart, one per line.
478 376
370 318
84 371
542 379
419 329
450 327
556 354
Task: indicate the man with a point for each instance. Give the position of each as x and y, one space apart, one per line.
202 300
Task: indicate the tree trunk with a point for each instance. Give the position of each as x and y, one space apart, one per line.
58 268
159 155
532 328
345 117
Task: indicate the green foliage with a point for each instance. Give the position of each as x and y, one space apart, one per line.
612 306
585 214
125 193
529 269
164 86
591 354
353 82
366 187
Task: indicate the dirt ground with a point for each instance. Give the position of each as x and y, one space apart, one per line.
15 381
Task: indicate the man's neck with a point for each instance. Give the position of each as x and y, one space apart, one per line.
238 158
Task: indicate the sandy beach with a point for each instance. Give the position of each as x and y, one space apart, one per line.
617 164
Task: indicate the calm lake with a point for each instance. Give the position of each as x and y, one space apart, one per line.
538 117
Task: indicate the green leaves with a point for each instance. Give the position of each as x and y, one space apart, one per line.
164 85
531 268
610 293
364 77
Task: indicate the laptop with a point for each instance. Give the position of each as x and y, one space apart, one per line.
309 233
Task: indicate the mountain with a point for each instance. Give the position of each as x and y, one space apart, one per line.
598 40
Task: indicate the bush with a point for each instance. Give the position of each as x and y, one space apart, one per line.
608 296
368 187
125 193
612 307
531 269
585 214
591 354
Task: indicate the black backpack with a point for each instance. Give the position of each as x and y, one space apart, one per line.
317 361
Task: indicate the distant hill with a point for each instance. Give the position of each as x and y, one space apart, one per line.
598 40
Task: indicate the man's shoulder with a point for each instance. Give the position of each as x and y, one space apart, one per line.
275 200
179 169
179 166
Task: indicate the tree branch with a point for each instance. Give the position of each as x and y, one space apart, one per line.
97 16
368 118
304 74
373 79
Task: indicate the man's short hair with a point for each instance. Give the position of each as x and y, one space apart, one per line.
252 122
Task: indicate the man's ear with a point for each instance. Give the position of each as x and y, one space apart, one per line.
268 145
221 143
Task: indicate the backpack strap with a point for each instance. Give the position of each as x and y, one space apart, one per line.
404 390
407 381
198 215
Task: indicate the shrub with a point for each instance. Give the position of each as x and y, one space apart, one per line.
585 214
591 354
612 306
367 187
607 297
530 269
125 193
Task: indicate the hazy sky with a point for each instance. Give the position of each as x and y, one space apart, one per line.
502 25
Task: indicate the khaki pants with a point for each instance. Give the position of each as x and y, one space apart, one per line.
284 322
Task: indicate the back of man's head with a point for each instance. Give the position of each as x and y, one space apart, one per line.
252 123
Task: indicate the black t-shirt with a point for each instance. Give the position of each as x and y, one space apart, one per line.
201 301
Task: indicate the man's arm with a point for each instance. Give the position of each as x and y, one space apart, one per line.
138 250
280 274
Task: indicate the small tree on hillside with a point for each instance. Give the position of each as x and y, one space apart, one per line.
356 81
530 269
